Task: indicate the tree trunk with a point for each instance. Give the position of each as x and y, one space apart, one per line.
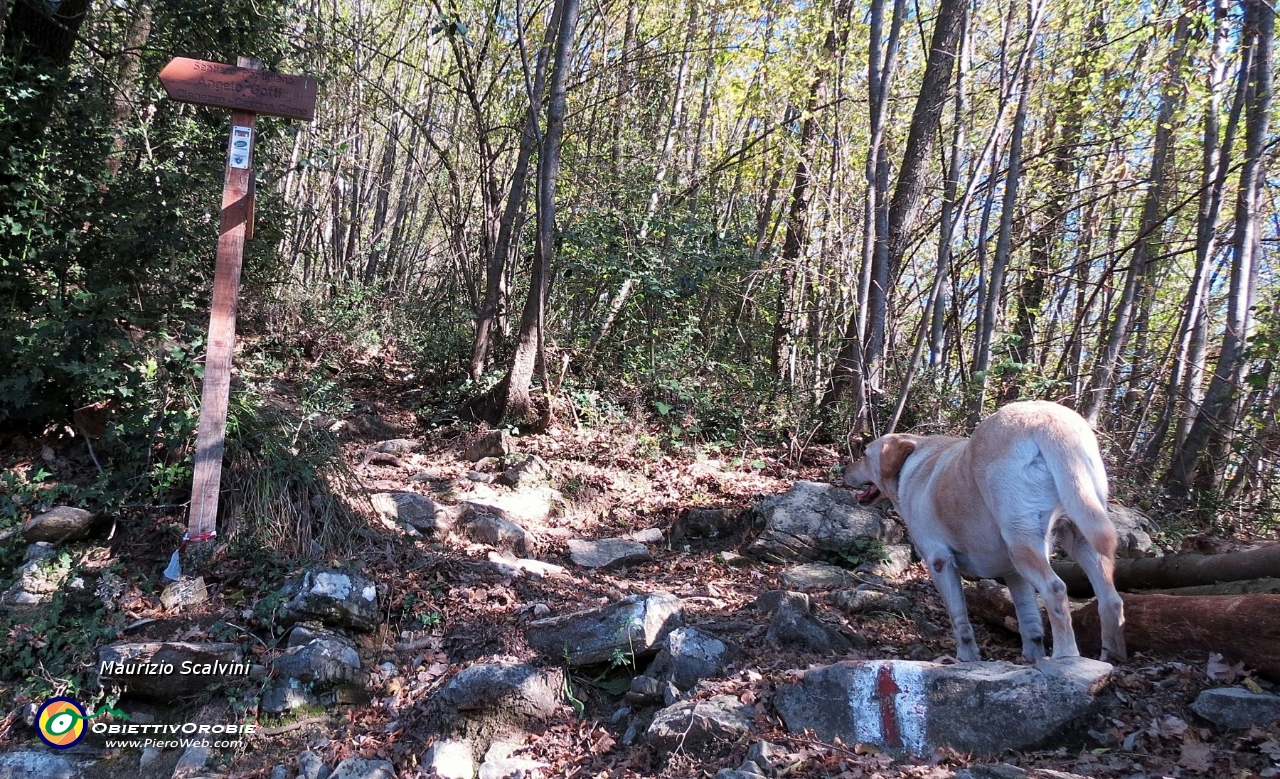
127 87
887 258
1147 245
495 292
994 295
660 179
514 392
796 236
1178 570
1216 416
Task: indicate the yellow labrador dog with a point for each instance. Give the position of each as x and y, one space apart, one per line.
990 505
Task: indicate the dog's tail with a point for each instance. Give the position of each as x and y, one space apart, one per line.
1080 479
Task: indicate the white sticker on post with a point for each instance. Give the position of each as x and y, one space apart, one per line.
241 147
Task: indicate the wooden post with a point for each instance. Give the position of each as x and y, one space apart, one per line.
247 91
211 433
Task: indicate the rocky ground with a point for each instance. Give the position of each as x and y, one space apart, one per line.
578 603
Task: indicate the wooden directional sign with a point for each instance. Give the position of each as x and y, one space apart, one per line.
240 89
247 91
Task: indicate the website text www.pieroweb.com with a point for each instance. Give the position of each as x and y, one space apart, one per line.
63 722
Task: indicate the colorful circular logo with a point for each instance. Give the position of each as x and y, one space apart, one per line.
61 722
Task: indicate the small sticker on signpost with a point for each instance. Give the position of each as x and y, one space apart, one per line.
241 146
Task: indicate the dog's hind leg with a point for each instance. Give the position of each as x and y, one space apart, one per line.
1094 552
1030 625
1030 559
946 577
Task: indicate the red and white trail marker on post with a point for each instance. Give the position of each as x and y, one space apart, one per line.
248 91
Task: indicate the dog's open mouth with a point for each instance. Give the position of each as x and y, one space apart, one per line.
868 496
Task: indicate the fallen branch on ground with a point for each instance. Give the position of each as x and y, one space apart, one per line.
1178 570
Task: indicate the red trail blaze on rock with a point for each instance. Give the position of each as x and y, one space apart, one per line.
886 688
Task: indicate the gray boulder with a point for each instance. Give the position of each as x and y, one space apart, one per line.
334 597
509 687
498 533
634 626
450 759
495 443
897 562
323 659
915 707
164 670
409 508
360 768
688 656
396 446
1236 708
311 766
815 576
529 470
286 695
1133 530
814 522
1006 771
60 523
794 624
527 508
703 523
866 599
722 719
607 553
46 765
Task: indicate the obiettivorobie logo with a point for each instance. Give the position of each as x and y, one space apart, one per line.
61 722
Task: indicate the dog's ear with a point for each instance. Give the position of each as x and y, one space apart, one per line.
893 454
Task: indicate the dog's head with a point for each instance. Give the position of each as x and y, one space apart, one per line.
875 473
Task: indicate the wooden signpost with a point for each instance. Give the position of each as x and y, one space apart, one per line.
248 91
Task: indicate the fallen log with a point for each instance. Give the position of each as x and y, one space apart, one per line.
1246 587
1239 627
1178 570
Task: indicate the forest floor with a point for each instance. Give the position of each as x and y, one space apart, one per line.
616 480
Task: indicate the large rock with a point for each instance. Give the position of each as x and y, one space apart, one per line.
509 688
689 655
528 509
514 567
1237 708
915 707
1133 530
334 597
501 534
362 768
703 523
634 626
691 724
815 576
45 765
815 522
1006 771
495 443
608 553
450 759
866 599
60 523
794 624
528 471
165 670
410 508
322 659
